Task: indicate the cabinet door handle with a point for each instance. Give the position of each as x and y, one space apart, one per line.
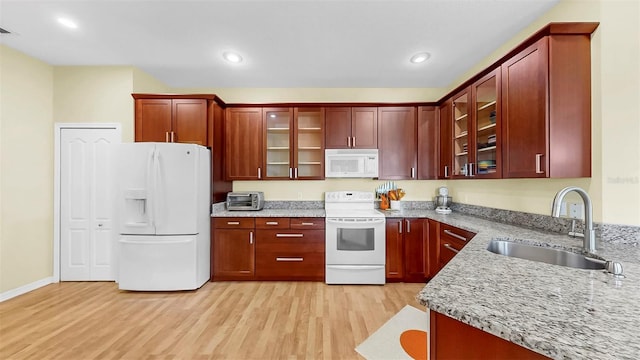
348 141
173 137
251 237
408 226
271 223
295 173
451 248
471 169
290 173
400 227
354 141
289 235
446 171
166 136
413 173
289 259
259 173
459 237
539 164
233 222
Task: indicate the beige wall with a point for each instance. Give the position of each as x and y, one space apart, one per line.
26 169
34 95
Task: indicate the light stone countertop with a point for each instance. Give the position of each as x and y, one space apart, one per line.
560 312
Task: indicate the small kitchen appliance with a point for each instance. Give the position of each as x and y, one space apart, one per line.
443 200
245 200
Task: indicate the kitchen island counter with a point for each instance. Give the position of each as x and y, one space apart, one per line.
557 311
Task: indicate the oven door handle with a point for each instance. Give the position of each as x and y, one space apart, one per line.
340 221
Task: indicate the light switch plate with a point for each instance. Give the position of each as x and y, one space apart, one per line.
575 210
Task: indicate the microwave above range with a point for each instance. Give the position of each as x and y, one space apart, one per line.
351 163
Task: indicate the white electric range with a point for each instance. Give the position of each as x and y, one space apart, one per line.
355 239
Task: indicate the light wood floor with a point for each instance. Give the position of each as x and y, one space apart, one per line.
222 320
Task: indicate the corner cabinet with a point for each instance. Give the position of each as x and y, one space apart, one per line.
397 142
547 108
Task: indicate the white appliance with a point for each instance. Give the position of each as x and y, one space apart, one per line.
351 163
164 221
443 200
355 239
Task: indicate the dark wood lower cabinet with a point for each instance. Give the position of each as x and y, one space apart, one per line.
407 250
452 339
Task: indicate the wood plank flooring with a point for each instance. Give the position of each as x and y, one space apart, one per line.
221 320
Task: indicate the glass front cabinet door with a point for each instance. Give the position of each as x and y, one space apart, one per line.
308 156
461 139
278 142
486 96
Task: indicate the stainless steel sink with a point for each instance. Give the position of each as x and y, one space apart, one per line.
545 254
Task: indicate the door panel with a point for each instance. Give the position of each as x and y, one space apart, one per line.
153 120
338 132
189 121
86 204
364 128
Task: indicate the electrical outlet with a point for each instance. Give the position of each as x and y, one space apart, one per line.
575 210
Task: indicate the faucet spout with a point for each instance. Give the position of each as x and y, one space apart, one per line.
589 243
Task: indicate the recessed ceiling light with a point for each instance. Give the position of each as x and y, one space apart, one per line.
68 23
420 57
232 57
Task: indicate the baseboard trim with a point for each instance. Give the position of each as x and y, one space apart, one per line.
25 288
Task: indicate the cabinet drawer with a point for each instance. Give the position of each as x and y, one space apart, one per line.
272 223
449 249
307 223
290 255
234 223
452 233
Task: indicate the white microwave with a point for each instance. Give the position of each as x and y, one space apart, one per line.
351 163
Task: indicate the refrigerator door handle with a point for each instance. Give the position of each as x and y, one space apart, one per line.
156 187
150 200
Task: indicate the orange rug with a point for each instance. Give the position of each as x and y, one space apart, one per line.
404 336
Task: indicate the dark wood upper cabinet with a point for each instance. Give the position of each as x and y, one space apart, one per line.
397 142
446 155
486 158
244 143
428 143
351 127
171 120
546 109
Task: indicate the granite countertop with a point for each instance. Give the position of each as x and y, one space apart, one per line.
560 312
270 213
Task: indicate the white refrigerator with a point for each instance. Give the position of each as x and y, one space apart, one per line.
163 216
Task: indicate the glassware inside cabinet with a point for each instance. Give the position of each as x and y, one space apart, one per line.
486 134
460 135
278 143
309 141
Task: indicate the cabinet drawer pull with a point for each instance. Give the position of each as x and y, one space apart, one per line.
539 164
307 224
289 259
451 248
289 235
233 222
271 223
459 237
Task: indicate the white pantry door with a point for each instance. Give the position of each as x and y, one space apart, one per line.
86 203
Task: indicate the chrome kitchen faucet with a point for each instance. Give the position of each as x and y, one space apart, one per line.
589 243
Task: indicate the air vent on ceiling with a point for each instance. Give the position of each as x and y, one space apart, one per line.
3 31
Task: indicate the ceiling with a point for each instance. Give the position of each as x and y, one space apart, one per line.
303 43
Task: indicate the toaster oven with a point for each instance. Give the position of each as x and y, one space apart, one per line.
245 200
